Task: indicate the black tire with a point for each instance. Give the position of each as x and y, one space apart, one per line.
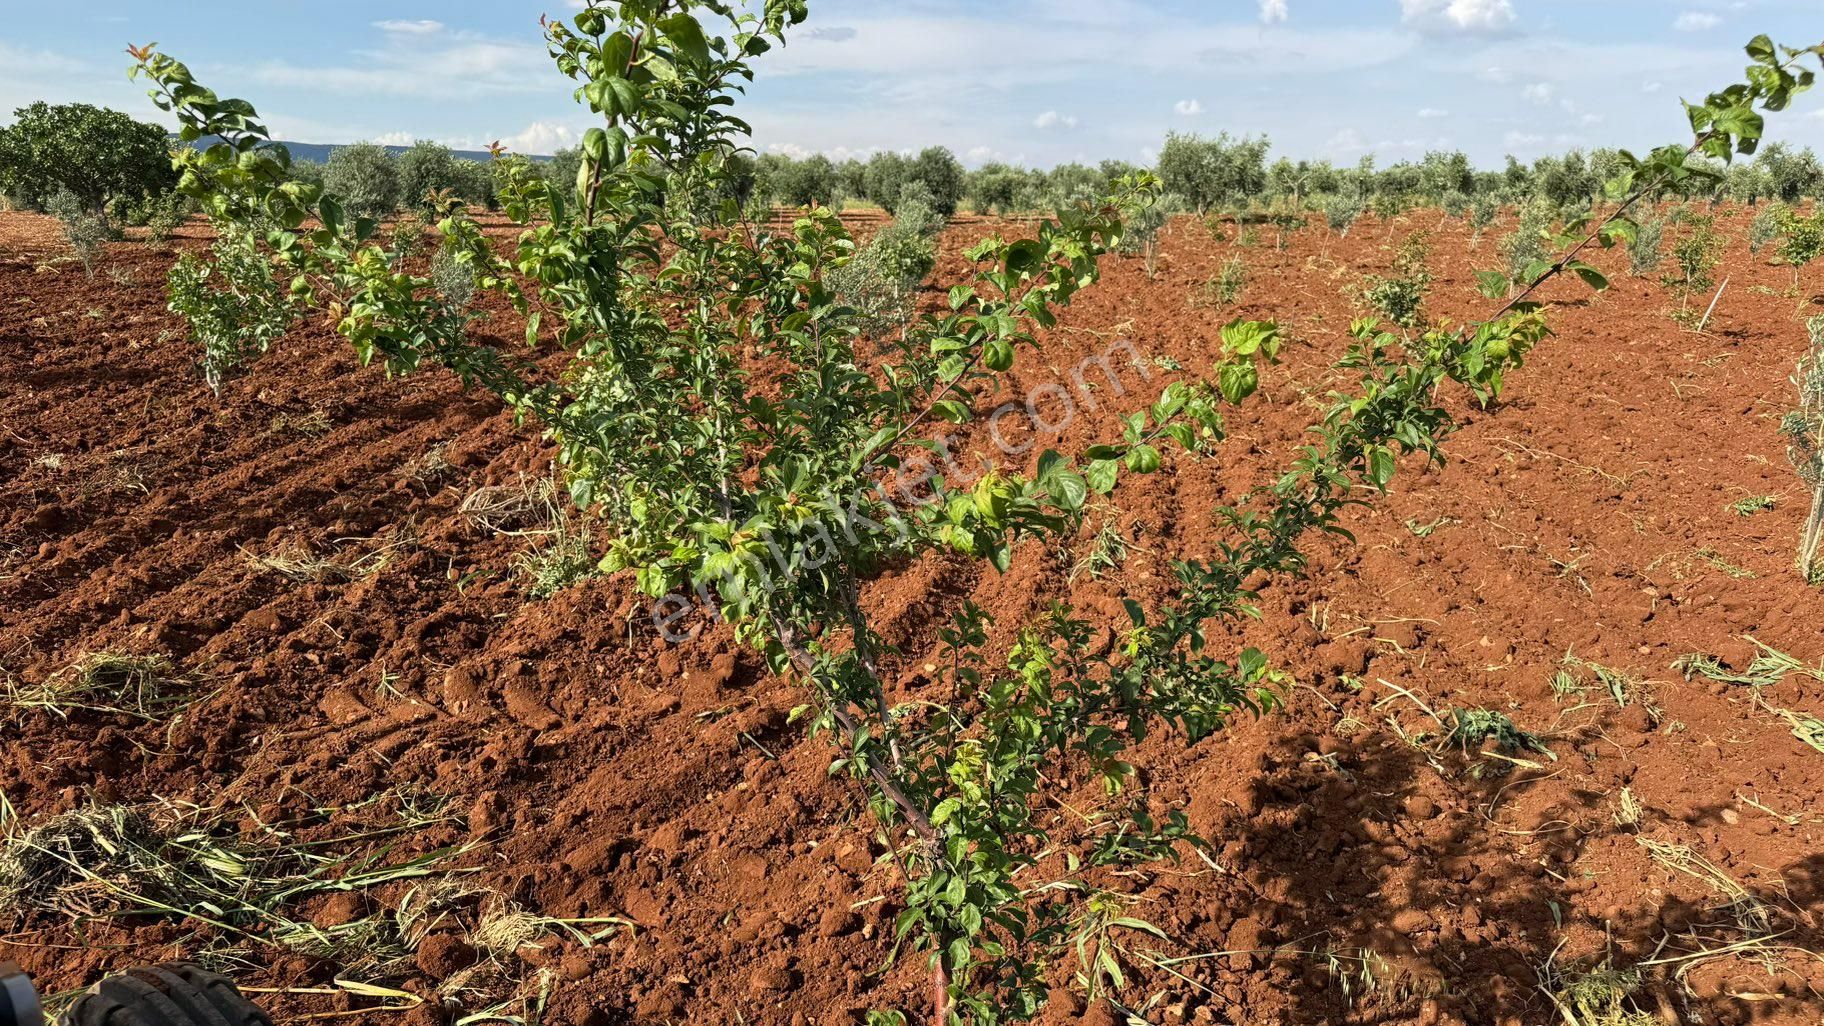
172 994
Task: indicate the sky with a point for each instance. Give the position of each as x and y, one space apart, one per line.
1036 82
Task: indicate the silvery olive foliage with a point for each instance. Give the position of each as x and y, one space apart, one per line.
744 432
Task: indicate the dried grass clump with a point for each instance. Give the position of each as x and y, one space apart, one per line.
144 686
82 863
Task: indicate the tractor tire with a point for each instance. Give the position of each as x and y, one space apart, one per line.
172 994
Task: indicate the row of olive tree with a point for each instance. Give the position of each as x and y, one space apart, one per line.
1226 172
373 181
105 159
933 177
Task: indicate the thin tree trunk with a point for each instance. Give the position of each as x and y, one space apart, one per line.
940 995
1814 533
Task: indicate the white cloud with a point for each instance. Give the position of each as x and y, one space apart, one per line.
1347 140
542 137
1468 16
935 53
1052 119
418 27
1189 108
466 69
394 139
1273 11
1652 87
1696 21
1523 139
1539 92
1429 113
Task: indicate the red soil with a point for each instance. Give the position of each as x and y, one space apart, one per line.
604 772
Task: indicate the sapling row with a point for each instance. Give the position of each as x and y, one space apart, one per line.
718 413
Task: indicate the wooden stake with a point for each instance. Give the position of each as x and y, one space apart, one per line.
1713 302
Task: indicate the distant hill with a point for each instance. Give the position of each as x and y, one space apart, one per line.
317 153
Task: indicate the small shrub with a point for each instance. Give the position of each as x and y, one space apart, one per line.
1400 298
164 215
1227 284
407 235
84 228
1527 244
1285 219
1341 212
1801 240
1482 213
233 302
1695 255
453 279
881 280
1646 248
566 560
1470 729
1143 226
1765 229
1749 505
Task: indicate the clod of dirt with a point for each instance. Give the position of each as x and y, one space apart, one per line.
1100 1014
1637 719
772 980
340 910
442 955
462 685
1248 938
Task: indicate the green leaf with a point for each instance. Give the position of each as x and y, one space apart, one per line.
1591 276
685 34
1143 459
1069 490
1101 475
951 410
1025 256
1380 465
329 211
1237 381
1492 284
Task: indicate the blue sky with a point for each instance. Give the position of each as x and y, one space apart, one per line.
1031 81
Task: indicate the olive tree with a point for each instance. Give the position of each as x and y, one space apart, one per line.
1208 172
364 178
425 168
